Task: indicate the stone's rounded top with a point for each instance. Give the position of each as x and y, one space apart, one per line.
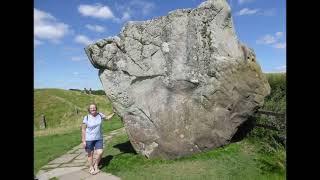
218 4
94 51
131 23
134 22
179 11
215 3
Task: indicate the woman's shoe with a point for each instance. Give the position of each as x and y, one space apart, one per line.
96 170
91 170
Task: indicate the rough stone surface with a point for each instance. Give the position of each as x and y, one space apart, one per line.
182 83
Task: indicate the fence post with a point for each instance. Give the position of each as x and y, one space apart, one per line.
43 123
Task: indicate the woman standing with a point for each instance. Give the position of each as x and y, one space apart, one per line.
92 136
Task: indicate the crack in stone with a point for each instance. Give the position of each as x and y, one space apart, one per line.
134 62
141 78
146 115
154 53
193 83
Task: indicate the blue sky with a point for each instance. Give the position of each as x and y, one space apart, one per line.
63 28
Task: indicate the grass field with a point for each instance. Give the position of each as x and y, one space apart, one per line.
276 101
240 160
260 155
47 148
59 107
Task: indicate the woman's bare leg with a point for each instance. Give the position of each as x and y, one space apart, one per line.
90 160
99 156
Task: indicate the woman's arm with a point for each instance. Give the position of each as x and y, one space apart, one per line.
109 117
84 126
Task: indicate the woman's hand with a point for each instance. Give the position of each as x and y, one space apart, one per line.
84 144
110 116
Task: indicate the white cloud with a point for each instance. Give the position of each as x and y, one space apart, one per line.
268 12
267 39
279 45
83 40
279 69
279 34
145 6
247 11
96 11
125 17
272 40
77 58
244 1
40 61
95 28
75 73
133 8
37 42
47 27
70 49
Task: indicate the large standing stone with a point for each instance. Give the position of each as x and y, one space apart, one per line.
182 83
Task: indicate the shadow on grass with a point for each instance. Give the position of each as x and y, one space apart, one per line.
105 161
244 129
248 126
125 147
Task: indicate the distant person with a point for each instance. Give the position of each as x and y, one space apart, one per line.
92 136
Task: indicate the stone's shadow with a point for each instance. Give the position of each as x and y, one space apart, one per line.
244 129
125 147
105 161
